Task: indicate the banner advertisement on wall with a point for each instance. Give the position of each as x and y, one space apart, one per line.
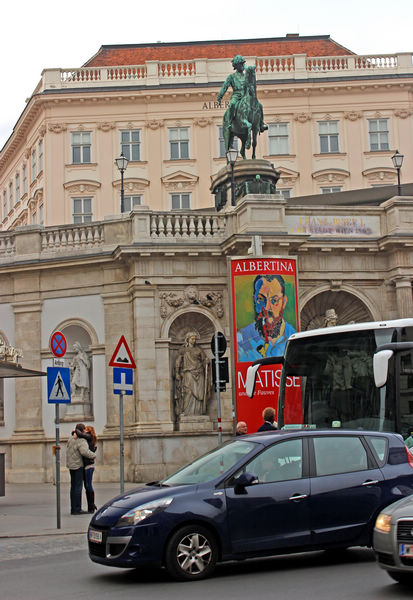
264 315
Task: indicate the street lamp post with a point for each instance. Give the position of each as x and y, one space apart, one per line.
232 156
397 159
122 163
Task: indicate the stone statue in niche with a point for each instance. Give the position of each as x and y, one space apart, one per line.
79 374
331 318
192 378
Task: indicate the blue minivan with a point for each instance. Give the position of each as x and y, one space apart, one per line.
256 495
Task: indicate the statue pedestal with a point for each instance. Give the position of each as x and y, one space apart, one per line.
195 423
257 176
79 408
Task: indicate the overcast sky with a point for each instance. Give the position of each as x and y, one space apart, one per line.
47 34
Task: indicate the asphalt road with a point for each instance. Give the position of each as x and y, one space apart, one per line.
42 568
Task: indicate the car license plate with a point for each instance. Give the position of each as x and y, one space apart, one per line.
406 549
95 536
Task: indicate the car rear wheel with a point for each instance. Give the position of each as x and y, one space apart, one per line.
191 553
404 578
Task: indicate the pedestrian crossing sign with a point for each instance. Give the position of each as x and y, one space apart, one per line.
58 385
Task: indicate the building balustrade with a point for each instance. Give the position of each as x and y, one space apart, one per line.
296 66
186 226
153 226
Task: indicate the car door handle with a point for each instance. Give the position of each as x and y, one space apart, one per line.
370 482
298 497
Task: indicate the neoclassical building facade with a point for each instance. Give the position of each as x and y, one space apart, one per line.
334 118
70 261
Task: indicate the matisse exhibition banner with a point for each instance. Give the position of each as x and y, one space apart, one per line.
264 315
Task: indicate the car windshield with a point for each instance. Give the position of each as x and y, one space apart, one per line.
211 465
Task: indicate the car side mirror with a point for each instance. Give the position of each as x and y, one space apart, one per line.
243 481
381 366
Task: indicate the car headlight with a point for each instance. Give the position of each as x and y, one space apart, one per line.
143 511
383 523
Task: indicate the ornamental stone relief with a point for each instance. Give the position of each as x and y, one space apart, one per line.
302 117
353 115
57 127
171 301
330 178
381 177
402 113
106 126
154 124
202 122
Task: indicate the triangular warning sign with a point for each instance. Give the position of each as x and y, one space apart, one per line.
59 391
122 357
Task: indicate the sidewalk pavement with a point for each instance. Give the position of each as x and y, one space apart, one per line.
30 509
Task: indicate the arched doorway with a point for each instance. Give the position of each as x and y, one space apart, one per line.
348 308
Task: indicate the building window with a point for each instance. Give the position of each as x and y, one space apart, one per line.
331 189
40 154
24 179
130 144
178 143
278 135
328 133
286 192
34 162
221 142
17 187
4 204
10 196
379 134
179 201
129 202
34 218
41 215
81 146
82 210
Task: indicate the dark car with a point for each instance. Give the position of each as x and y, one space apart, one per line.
257 495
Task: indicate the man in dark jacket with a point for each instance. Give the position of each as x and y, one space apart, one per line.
76 449
268 414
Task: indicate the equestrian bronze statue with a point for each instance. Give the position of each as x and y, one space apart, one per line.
244 117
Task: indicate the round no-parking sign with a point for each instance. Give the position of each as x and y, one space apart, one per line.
58 344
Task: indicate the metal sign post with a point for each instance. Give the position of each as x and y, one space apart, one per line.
58 511
122 444
58 392
123 364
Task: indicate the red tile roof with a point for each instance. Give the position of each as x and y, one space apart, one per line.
137 54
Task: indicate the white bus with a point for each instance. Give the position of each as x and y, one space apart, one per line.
353 376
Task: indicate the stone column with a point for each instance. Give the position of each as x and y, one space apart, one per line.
151 386
27 316
404 297
27 460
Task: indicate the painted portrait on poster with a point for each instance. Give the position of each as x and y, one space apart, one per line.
265 315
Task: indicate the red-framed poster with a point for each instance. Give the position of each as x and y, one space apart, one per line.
264 315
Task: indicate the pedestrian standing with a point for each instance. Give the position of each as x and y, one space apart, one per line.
268 414
241 428
89 435
76 449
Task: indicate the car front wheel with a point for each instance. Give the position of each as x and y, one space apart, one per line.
191 553
404 578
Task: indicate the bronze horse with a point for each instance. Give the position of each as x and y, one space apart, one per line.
246 122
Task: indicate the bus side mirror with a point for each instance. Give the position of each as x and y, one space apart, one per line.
251 378
381 366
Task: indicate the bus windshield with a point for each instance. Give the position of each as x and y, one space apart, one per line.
334 382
